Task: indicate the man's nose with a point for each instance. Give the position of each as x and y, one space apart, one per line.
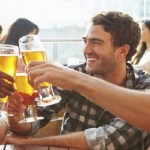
87 48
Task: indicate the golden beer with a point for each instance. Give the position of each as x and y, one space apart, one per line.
29 55
8 64
32 49
25 89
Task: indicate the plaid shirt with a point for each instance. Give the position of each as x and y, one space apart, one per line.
102 129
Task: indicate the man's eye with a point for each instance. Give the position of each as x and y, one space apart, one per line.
84 41
96 42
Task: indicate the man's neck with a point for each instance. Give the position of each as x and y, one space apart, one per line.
117 77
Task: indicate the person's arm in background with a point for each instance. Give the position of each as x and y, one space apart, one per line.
6 84
130 105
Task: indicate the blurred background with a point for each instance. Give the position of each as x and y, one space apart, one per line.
62 22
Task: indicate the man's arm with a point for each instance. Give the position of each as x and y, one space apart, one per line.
116 135
130 105
110 137
119 101
17 108
73 140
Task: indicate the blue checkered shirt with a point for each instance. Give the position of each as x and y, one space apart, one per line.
102 129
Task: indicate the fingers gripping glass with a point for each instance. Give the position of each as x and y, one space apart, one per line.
31 49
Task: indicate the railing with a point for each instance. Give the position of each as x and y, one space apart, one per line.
64 51
60 40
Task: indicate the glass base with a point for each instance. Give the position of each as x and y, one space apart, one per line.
3 110
3 114
31 119
47 97
47 102
9 115
6 114
30 115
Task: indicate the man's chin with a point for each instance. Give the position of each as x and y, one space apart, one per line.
92 71
89 70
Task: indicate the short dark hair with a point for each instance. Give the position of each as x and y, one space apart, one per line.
122 27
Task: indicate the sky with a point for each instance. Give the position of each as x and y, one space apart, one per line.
44 12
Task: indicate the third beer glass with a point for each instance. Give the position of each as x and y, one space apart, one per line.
8 64
31 49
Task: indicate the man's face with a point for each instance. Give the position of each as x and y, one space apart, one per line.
98 50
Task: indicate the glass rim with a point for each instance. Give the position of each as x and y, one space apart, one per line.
8 46
22 40
29 39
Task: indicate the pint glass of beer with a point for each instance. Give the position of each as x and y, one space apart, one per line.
29 94
8 64
31 49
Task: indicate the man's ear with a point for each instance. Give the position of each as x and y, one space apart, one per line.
125 49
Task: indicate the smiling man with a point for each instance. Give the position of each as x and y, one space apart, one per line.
110 40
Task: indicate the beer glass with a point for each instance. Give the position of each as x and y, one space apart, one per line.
8 64
31 49
29 94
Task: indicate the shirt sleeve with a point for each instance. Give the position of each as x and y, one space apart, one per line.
116 136
96 138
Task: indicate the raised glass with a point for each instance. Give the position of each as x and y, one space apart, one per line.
32 49
29 95
8 64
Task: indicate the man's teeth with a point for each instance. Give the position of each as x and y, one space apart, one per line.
91 59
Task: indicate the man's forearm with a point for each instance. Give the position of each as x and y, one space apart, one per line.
73 140
132 106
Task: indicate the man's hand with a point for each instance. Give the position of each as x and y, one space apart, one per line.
15 104
6 88
58 75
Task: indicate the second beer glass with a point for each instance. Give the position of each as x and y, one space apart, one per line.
29 95
31 49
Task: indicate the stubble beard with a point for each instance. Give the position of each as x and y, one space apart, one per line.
92 71
101 71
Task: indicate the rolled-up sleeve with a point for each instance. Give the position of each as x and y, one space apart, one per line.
119 135
96 138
